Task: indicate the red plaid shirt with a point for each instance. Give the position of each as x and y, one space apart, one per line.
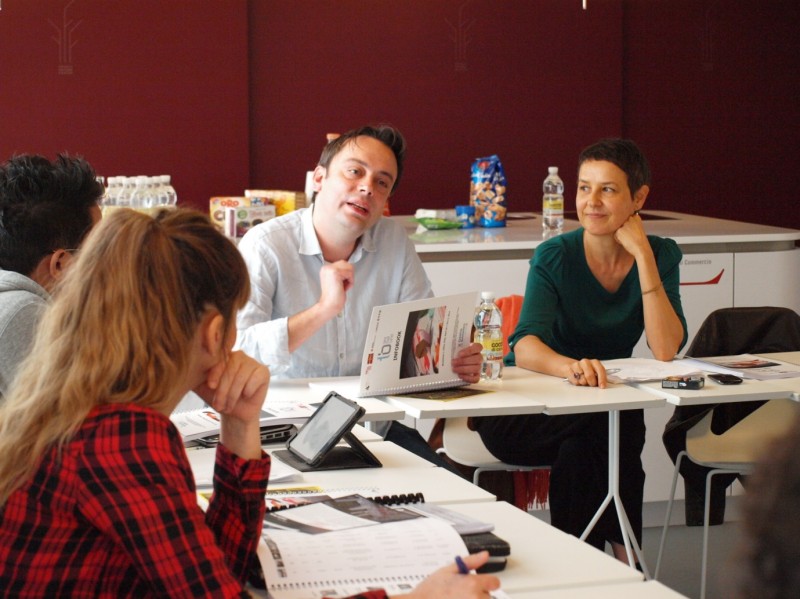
117 516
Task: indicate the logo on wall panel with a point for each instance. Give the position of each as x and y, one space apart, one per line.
460 34
65 40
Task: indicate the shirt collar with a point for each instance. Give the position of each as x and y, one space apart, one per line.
309 243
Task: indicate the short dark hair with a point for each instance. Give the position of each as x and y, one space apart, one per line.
386 134
44 206
625 154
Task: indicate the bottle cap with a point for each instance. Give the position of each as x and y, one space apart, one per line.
553 170
487 295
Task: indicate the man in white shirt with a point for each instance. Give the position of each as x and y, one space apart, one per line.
317 273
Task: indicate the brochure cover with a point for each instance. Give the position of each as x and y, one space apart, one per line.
410 346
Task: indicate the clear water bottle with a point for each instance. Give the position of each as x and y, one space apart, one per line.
167 194
488 332
112 191
552 203
140 196
123 196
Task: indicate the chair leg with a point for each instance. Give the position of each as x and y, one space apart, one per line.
669 512
706 519
476 476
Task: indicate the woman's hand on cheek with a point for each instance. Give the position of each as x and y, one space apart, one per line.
631 234
236 387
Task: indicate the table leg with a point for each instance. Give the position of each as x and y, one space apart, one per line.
613 495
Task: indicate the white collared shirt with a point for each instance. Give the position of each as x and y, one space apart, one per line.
284 258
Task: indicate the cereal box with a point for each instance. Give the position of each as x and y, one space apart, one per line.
488 191
239 221
218 204
283 200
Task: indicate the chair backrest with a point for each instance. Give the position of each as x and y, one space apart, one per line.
751 330
510 306
745 441
731 331
465 446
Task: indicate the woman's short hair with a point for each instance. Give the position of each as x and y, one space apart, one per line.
625 154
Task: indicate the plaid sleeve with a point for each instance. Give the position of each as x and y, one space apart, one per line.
236 509
139 491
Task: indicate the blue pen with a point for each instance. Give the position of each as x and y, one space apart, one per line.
462 567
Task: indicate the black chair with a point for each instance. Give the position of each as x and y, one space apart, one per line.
727 331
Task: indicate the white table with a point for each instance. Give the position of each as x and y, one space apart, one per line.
402 473
650 589
522 391
747 390
792 357
543 557
391 455
300 391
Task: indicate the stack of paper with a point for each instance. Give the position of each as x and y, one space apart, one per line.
643 370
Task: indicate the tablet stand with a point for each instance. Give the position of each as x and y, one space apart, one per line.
340 457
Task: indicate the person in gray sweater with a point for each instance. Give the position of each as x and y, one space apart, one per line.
46 210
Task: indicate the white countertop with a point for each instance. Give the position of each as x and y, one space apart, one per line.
523 231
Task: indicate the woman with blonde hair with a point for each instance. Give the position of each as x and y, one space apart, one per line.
96 494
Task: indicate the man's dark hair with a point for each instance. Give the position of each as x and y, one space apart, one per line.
44 206
625 154
387 134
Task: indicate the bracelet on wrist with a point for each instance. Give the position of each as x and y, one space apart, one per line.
656 288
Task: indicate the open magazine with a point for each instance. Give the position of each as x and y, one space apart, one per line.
749 366
410 346
204 423
379 546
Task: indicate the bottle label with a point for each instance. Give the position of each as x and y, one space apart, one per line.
494 346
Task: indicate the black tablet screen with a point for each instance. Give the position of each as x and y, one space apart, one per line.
324 428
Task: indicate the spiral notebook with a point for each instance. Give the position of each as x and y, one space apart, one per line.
410 345
394 556
339 547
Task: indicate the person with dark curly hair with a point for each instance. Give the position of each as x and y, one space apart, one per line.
46 210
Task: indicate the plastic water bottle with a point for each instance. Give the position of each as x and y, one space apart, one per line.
140 196
112 191
488 332
167 194
552 204
123 196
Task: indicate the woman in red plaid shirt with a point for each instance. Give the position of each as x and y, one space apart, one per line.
97 498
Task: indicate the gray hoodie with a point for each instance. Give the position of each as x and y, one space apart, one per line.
22 302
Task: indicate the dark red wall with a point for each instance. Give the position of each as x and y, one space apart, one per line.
533 82
226 94
712 92
157 87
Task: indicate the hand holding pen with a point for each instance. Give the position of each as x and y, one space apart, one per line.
455 581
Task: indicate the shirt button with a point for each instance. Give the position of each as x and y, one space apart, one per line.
341 356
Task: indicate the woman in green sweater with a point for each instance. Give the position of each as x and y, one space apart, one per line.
590 294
